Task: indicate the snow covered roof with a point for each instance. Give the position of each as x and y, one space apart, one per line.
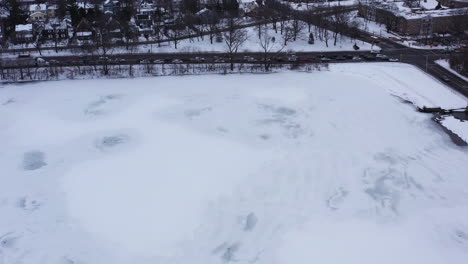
85 6
84 33
204 10
26 27
36 8
37 13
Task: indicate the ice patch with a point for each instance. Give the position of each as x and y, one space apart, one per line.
8 240
110 142
9 101
33 160
250 222
28 204
97 107
192 113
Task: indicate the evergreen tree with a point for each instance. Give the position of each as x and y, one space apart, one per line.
74 12
17 15
311 38
61 8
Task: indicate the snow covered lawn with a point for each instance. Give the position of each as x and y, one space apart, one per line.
253 44
323 167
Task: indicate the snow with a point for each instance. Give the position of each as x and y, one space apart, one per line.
253 45
292 167
446 65
37 7
457 127
25 27
312 5
198 45
84 33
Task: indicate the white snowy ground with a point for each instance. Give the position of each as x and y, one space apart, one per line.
252 44
323 167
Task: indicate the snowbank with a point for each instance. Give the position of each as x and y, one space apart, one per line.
446 65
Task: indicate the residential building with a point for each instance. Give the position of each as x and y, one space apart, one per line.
24 34
52 11
55 31
415 22
84 30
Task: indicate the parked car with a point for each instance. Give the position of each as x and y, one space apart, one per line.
145 61
177 61
249 58
375 51
356 58
382 56
292 58
218 59
306 60
445 78
393 59
41 62
199 59
279 59
158 61
325 59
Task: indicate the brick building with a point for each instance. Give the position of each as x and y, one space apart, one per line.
422 23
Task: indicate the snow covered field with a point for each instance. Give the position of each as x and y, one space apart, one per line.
252 44
323 167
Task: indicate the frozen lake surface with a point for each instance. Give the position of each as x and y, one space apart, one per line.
322 167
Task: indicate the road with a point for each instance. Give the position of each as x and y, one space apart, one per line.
423 59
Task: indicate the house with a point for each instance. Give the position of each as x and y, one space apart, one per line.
37 17
111 7
52 11
143 20
87 6
146 8
114 29
42 8
84 30
206 16
24 34
410 22
37 13
56 30
248 7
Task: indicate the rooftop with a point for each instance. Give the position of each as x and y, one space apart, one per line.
26 27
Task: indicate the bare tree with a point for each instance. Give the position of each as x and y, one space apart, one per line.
339 20
234 37
158 34
212 25
269 46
